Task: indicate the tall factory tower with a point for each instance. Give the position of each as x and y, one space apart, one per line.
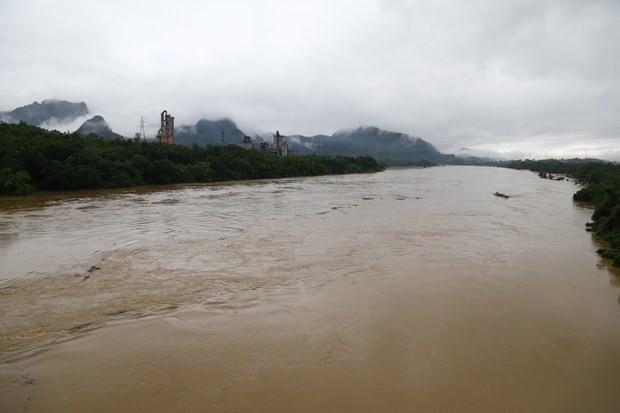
279 144
166 132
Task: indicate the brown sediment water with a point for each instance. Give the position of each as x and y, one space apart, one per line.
408 290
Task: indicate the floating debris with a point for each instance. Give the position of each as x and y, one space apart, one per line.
117 313
79 327
500 195
90 271
27 379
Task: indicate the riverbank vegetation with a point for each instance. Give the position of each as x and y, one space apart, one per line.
33 159
601 187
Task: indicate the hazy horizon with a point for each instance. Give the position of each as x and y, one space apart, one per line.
514 78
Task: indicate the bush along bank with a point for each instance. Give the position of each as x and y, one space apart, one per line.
601 182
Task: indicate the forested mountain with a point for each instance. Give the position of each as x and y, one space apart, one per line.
371 141
209 132
32 159
97 125
390 147
363 141
49 110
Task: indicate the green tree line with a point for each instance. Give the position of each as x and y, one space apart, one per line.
601 186
34 159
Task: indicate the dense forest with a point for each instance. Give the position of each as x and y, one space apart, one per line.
601 187
33 159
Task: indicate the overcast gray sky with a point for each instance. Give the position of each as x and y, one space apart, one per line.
519 77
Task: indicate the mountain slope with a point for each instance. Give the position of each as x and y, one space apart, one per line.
48 110
399 148
209 132
98 126
370 141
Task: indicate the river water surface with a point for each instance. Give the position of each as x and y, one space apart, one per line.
406 290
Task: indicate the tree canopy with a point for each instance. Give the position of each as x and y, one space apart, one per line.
33 159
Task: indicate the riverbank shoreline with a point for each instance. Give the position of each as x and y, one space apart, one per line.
600 185
317 294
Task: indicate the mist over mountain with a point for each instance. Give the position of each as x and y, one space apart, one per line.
97 125
372 141
208 132
49 110
363 141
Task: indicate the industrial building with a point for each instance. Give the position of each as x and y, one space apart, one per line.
247 143
279 144
166 131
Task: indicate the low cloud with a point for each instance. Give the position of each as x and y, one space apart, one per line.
491 76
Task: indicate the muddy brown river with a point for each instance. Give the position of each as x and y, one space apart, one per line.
410 290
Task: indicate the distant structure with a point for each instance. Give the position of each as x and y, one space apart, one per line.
279 144
222 136
166 132
246 143
142 134
279 147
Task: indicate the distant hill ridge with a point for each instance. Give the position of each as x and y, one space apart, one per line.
372 141
97 125
362 141
208 132
50 109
